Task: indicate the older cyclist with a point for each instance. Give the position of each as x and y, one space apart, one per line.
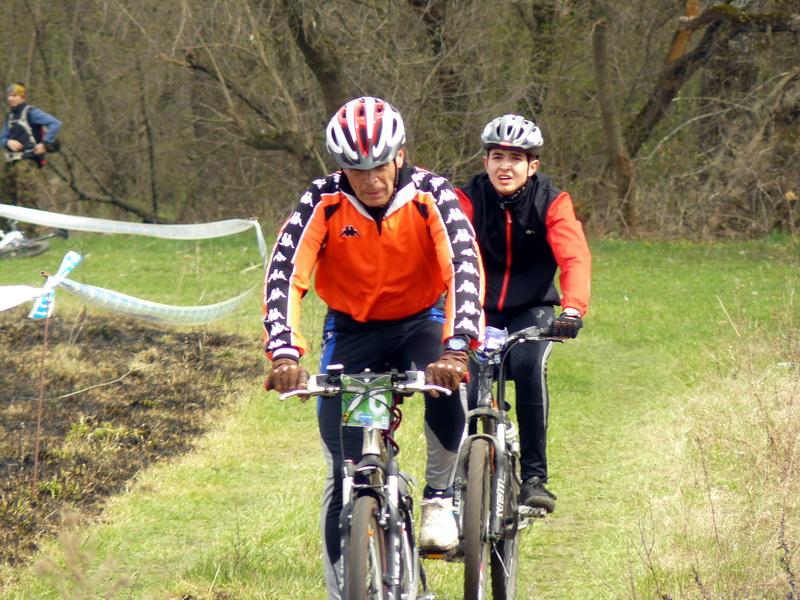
526 229
395 260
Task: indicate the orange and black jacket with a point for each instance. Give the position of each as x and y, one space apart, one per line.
524 240
423 247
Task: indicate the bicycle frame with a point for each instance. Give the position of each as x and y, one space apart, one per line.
490 422
371 401
378 474
14 244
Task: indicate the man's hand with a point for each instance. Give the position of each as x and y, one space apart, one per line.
286 375
14 145
565 326
39 149
447 372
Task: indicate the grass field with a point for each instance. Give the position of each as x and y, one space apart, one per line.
672 441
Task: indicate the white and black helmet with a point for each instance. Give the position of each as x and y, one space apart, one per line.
513 131
365 133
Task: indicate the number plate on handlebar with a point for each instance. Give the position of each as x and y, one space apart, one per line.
494 338
367 408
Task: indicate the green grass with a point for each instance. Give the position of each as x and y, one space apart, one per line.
665 339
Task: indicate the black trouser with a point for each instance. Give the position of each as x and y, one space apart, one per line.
405 344
526 366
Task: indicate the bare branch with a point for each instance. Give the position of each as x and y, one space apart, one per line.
320 57
69 179
192 62
741 20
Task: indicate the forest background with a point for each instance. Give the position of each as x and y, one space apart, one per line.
663 118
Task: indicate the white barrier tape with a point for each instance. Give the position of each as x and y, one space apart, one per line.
197 231
43 308
14 295
153 311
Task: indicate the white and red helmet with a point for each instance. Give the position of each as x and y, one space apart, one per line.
365 133
513 132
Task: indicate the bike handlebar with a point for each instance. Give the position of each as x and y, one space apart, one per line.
331 384
534 333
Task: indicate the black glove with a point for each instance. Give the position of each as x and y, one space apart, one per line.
565 326
447 372
286 375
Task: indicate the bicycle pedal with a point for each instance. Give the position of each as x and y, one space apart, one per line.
530 512
448 556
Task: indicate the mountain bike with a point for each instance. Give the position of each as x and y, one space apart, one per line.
14 243
379 552
487 480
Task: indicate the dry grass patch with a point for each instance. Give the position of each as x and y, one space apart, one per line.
731 526
118 396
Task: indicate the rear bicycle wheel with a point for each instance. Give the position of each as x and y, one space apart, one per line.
365 556
26 250
505 553
476 510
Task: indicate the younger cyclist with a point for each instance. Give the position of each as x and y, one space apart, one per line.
526 229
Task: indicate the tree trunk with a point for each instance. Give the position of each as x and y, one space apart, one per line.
619 163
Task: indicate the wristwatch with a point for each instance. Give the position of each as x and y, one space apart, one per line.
457 343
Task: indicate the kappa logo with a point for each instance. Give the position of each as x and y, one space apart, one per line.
274 315
277 329
275 294
465 323
437 182
455 214
446 195
286 241
468 288
469 308
349 231
467 267
462 235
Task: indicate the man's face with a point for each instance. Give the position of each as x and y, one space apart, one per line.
508 169
15 100
374 187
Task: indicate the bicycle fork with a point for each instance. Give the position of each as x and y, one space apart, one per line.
500 468
383 483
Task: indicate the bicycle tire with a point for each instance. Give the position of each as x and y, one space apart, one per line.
409 561
505 553
476 512
365 556
27 250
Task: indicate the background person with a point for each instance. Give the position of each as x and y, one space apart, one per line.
27 132
27 129
385 240
526 229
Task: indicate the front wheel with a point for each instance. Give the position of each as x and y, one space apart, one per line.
409 561
365 555
476 511
505 560
25 250
505 553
